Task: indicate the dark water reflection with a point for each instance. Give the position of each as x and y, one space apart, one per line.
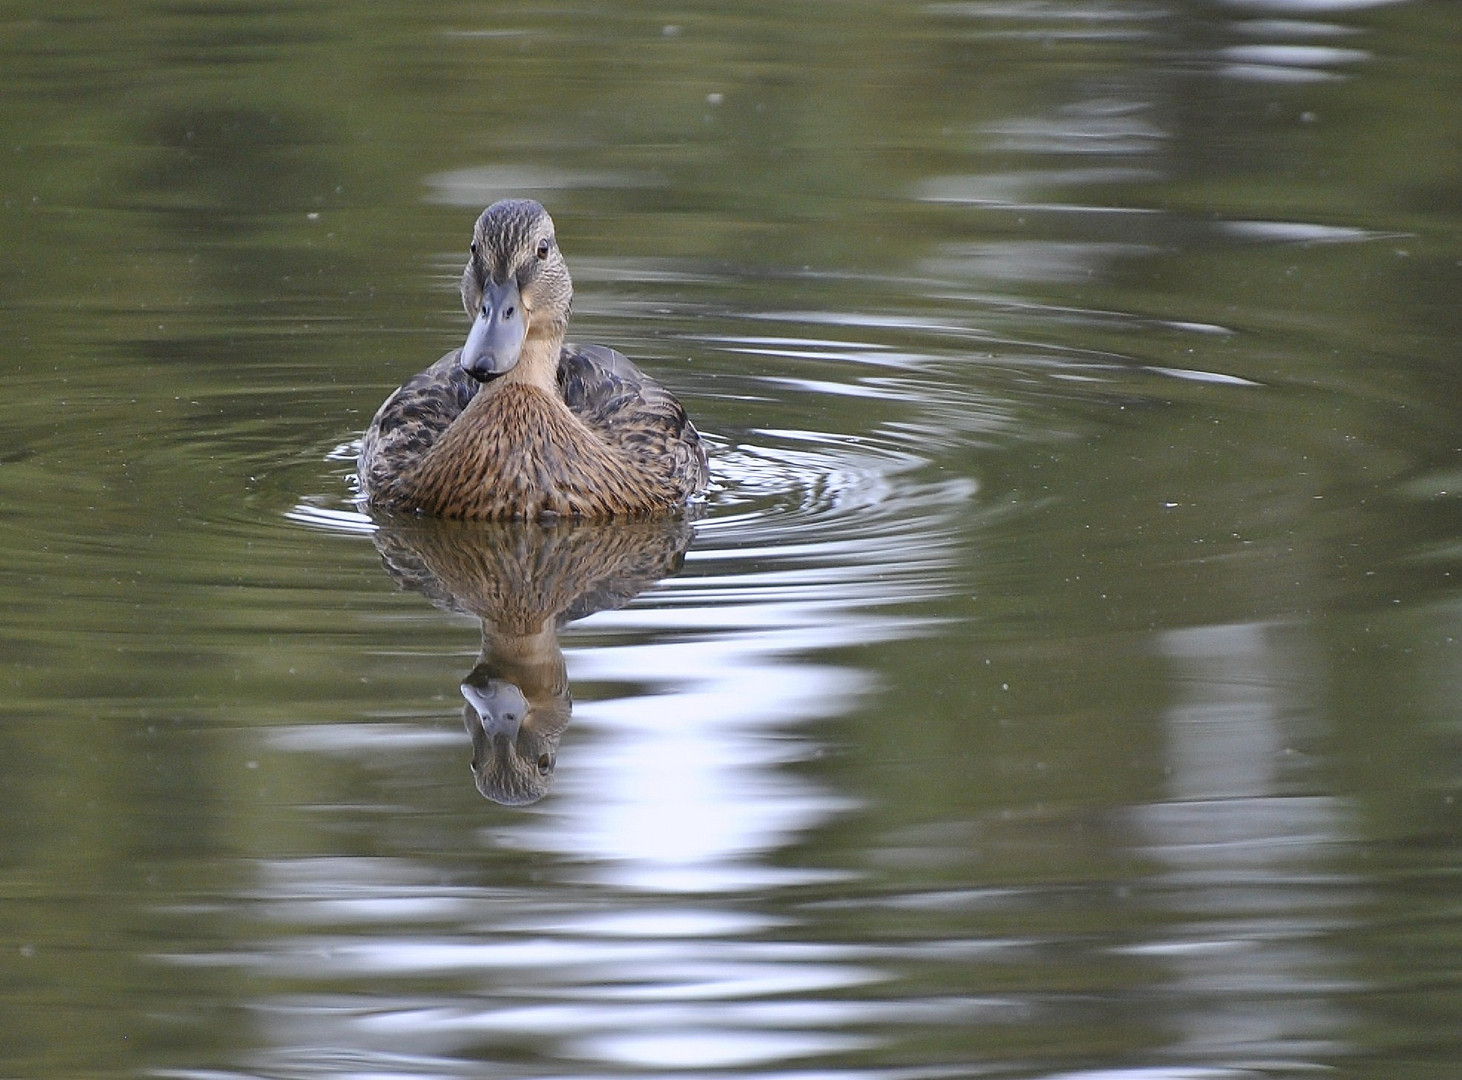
1061 678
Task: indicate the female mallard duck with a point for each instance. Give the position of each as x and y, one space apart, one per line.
518 424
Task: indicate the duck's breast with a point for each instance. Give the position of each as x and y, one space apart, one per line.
518 451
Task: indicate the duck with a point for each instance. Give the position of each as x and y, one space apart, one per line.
519 424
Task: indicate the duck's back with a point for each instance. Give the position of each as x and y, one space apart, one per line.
631 411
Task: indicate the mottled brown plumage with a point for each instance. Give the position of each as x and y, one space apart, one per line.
517 424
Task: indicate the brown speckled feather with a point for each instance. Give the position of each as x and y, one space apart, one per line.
628 409
408 423
614 443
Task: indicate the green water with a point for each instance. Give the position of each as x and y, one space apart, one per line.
1063 677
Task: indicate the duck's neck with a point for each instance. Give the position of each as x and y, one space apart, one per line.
520 645
537 364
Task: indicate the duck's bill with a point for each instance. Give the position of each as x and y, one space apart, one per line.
496 339
500 707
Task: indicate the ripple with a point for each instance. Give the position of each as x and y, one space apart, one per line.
672 780
334 519
478 186
786 494
810 474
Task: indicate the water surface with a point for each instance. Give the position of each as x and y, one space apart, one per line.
1060 679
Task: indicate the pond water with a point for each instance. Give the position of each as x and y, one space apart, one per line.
1062 678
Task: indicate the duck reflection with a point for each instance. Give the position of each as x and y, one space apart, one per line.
524 581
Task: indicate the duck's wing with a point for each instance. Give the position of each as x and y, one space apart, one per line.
628 409
409 421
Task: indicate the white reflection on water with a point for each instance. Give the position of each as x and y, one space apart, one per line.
1158 1072
1249 857
1300 232
1308 7
683 786
683 791
480 185
720 1047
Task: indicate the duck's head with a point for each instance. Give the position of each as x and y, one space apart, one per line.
515 288
516 726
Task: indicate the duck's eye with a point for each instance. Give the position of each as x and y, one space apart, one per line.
545 764
544 246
